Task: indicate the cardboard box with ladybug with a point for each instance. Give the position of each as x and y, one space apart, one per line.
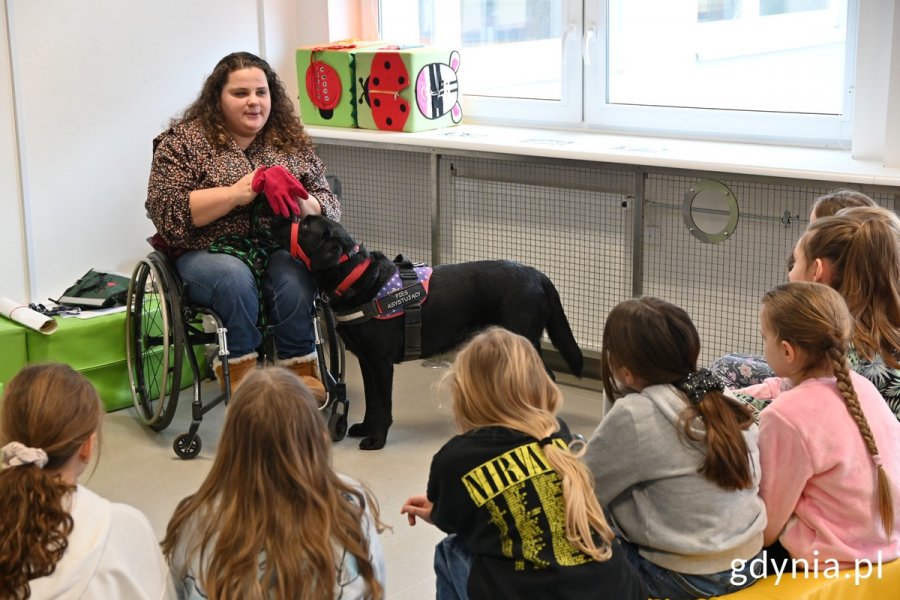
327 81
407 89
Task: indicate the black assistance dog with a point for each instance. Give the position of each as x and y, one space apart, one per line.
459 300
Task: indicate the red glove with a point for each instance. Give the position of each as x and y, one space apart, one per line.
280 187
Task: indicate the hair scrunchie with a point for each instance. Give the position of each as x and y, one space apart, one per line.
698 384
15 454
548 440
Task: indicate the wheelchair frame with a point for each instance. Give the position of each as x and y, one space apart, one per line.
163 332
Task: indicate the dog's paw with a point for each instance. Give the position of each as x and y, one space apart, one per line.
372 443
360 430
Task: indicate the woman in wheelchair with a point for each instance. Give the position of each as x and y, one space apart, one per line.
237 158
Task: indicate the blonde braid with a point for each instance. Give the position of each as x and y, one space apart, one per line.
841 367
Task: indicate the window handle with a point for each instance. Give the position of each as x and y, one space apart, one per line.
589 36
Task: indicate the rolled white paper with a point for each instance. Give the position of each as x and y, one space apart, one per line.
20 313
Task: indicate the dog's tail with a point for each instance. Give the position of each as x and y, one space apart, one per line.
559 331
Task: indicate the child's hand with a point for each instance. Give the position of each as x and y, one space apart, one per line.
417 506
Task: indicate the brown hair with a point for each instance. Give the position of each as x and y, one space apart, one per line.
829 204
499 379
814 318
274 453
862 247
56 409
283 129
658 343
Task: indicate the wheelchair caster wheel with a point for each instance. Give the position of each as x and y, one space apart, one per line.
186 450
337 426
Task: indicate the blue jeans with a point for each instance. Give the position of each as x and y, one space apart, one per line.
663 583
452 563
226 285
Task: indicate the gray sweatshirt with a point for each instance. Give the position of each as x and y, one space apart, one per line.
646 476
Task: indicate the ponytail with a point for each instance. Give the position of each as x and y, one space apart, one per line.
727 462
584 517
34 527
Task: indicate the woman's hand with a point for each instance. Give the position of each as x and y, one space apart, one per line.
309 206
209 204
242 190
417 506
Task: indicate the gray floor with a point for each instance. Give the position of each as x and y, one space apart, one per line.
137 466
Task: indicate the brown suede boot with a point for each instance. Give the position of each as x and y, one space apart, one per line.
237 368
307 368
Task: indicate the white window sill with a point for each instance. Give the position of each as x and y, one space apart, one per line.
748 159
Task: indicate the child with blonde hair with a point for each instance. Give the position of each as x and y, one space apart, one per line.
272 519
675 459
511 491
59 539
829 445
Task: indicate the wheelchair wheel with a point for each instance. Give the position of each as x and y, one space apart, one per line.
154 348
187 446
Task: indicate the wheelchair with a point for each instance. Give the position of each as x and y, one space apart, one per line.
165 334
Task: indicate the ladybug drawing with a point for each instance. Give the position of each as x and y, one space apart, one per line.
381 91
323 87
323 84
437 89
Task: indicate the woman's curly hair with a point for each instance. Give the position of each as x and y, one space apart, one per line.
283 129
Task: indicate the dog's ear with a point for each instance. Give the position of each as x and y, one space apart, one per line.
324 241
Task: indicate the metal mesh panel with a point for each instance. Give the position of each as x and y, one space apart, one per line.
386 198
720 285
573 224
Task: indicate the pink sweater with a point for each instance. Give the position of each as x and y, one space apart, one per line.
818 480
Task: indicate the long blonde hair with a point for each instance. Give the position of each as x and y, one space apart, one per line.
56 409
862 246
498 379
271 490
814 318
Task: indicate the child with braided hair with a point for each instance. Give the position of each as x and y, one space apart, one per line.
829 445
675 459
511 491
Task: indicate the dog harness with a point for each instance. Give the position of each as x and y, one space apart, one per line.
403 294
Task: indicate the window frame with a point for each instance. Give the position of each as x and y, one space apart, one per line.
584 91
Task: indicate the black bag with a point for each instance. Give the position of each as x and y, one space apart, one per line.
96 290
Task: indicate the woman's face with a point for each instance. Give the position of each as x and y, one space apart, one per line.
245 104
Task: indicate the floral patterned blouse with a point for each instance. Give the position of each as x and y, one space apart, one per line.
743 370
184 160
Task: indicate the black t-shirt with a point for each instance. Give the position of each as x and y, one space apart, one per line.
495 489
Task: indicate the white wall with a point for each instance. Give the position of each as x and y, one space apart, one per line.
13 282
93 82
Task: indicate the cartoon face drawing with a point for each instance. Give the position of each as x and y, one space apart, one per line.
437 89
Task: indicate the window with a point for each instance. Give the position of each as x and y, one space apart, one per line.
734 69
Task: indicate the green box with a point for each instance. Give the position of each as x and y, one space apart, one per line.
95 348
408 88
328 83
13 349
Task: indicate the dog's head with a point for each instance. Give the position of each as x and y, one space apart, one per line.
322 243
